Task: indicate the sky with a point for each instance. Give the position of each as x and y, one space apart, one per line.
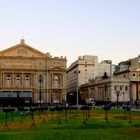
109 29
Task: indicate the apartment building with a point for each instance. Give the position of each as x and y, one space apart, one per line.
81 71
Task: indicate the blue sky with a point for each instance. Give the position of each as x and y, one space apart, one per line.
109 29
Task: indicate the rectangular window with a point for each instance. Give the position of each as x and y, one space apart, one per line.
126 88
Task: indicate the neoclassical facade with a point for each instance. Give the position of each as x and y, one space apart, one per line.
107 90
30 76
131 69
123 86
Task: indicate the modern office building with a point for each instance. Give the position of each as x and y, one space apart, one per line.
30 76
81 71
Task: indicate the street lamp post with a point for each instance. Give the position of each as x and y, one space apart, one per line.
77 88
40 79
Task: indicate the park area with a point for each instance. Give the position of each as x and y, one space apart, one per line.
73 124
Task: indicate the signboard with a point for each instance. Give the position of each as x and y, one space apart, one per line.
14 94
8 95
25 94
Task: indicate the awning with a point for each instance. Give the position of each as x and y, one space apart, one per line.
8 94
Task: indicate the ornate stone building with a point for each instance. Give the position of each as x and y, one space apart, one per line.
131 69
111 89
30 76
123 86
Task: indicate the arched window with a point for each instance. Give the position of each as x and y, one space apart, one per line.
27 81
8 80
17 80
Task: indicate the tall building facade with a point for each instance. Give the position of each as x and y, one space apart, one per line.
30 76
81 71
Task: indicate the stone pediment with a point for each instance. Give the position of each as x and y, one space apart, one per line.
22 50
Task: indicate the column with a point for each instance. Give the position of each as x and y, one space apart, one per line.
50 88
35 88
22 79
131 94
64 85
3 81
13 83
61 87
46 85
137 91
0 79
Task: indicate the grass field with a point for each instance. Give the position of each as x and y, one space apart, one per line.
71 127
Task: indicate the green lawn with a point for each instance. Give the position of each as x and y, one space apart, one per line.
95 128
